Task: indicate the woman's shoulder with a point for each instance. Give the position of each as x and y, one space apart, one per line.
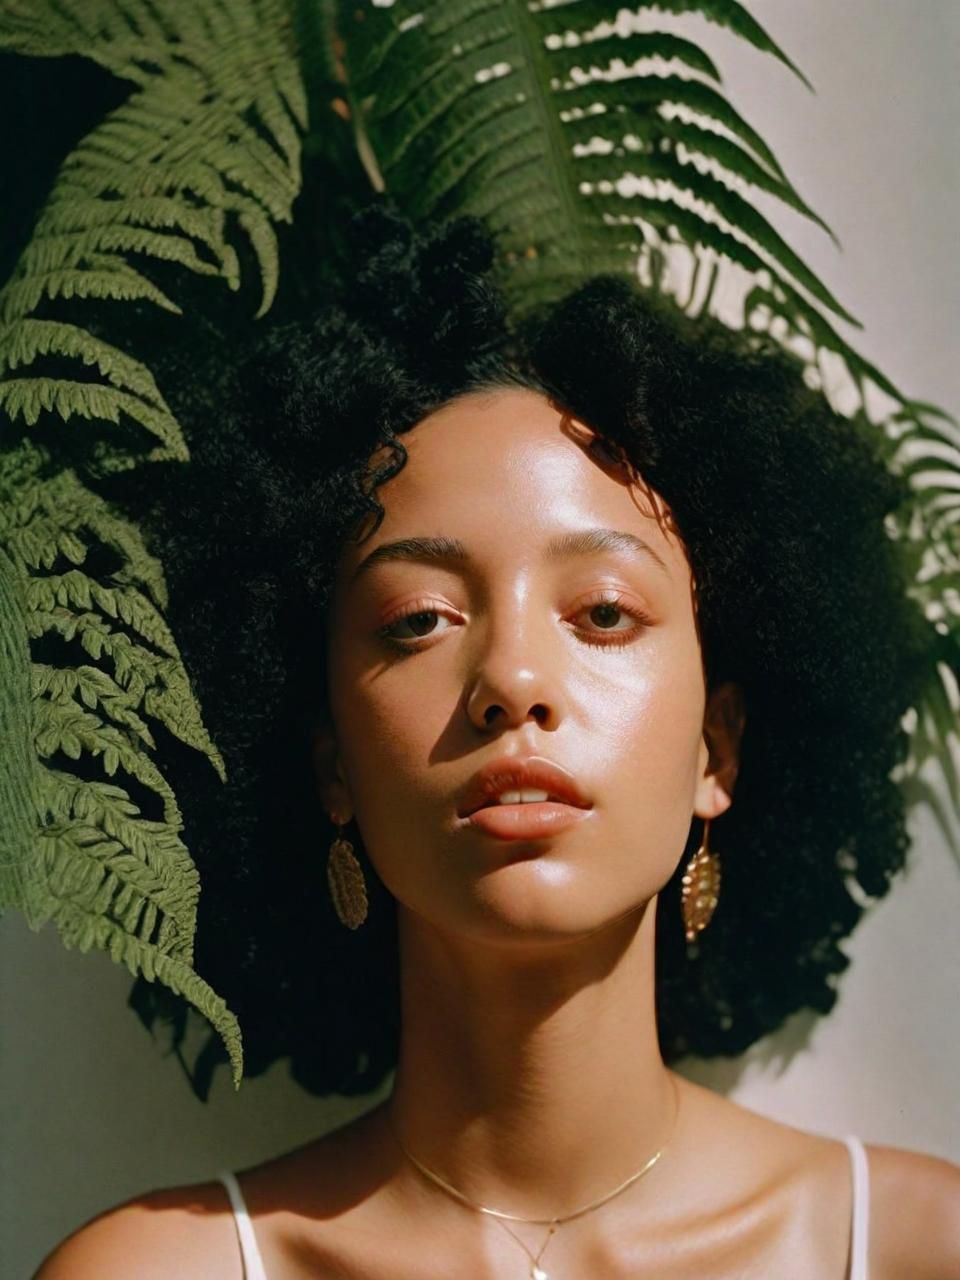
912 1199
160 1235
190 1230
914 1214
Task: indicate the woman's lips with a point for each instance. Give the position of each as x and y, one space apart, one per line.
521 773
532 821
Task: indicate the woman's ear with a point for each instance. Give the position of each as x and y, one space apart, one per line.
723 722
330 780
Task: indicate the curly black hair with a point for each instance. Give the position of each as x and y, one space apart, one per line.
782 507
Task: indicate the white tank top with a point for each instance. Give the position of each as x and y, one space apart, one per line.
253 1268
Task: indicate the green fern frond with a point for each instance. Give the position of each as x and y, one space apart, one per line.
75 851
723 13
928 531
733 16
21 780
28 398
725 156
582 54
935 749
206 147
153 862
51 251
71 730
118 620
722 206
551 124
101 277
96 690
32 339
668 97
83 213
121 884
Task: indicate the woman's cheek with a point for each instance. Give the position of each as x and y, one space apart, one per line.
666 720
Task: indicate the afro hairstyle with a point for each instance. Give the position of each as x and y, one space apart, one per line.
782 507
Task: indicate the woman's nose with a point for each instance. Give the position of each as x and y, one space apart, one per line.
516 677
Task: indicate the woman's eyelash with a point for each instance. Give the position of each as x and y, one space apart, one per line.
603 638
407 643
616 639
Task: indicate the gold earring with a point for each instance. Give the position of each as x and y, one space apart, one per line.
348 889
700 888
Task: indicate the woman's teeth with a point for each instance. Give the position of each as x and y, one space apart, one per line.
522 797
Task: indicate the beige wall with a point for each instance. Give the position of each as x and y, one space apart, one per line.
93 1114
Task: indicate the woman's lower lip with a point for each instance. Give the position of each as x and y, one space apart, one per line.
526 821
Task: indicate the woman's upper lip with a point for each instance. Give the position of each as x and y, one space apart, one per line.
514 773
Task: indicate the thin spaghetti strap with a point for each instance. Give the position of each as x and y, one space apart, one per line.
860 1217
253 1268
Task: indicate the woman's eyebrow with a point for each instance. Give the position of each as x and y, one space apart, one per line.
441 550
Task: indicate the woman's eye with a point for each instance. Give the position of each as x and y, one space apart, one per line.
611 622
420 625
606 616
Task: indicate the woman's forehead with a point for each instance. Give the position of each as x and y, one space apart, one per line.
496 466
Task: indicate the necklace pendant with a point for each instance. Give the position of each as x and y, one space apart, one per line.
537 1273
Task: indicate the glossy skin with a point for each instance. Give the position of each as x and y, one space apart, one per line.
529 1075
513 661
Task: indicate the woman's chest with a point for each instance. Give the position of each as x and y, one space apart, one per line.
803 1238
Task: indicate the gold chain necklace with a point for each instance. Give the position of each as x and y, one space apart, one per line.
536 1271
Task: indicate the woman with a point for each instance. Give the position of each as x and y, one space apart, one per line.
617 610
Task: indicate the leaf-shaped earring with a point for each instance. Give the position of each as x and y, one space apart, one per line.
348 889
700 888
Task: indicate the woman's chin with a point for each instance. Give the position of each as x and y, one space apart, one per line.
534 901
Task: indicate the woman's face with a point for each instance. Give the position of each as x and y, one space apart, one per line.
493 641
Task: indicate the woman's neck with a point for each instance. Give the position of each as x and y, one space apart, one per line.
533 1083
